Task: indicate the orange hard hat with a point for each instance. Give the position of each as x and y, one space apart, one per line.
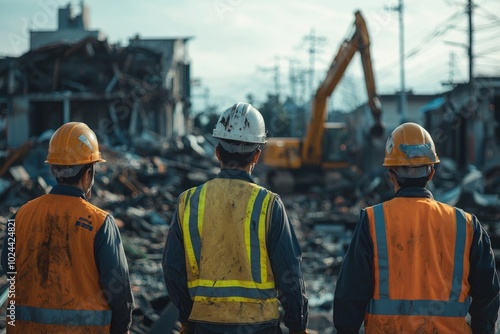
74 143
410 145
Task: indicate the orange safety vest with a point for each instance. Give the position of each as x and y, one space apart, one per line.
421 267
57 286
228 270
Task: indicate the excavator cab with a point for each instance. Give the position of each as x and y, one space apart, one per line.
335 145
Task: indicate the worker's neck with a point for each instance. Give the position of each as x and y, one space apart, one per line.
71 185
247 168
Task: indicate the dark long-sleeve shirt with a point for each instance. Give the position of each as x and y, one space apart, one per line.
355 283
111 263
285 256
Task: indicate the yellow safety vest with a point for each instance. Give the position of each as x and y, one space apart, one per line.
421 267
225 223
57 281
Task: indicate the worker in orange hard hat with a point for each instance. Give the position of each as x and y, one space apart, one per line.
64 255
231 246
416 265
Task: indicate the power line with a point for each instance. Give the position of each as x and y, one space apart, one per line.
487 26
488 57
487 14
440 30
492 67
492 50
455 3
436 68
488 38
494 72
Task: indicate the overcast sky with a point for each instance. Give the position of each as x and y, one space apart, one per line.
237 43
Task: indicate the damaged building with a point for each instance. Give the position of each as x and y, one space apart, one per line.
74 74
465 123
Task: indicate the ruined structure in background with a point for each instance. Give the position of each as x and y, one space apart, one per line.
465 123
73 74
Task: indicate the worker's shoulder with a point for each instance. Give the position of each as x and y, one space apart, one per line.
271 193
76 204
185 192
98 210
263 189
33 202
451 207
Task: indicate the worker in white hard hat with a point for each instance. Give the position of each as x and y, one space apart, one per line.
63 255
416 265
231 246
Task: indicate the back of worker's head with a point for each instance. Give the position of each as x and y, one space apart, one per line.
73 150
410 155
241 131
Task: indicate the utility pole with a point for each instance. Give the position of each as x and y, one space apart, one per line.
293 77
313 44
466 157
302 86
469 47
276 74
404 103
471 55
402 94
453 68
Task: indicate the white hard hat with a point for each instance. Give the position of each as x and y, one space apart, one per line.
242 123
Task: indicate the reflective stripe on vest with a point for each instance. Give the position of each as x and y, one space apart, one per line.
63 317
229 290
385 306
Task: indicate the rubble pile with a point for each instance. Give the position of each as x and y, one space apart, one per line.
140 189
139 185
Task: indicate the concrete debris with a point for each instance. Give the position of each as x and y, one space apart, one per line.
123 92
139 185
19 173
4 186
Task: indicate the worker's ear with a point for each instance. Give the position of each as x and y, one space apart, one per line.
392 177
88 175
256 156
217 154
431 174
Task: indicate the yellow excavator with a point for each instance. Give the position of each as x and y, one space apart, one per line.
295 162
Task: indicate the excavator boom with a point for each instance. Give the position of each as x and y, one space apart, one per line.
323 146
359 41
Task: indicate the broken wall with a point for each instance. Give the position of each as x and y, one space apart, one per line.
118 91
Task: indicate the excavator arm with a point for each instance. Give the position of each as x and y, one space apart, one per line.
297 162
377 129
359 41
